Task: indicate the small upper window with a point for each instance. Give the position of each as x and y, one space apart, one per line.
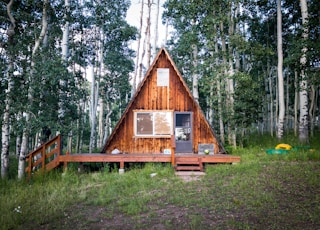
162 77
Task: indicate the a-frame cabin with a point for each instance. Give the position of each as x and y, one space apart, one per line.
161 107
162 123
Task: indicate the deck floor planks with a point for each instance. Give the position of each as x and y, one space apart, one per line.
217 158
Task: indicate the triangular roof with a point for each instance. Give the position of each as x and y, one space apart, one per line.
140 86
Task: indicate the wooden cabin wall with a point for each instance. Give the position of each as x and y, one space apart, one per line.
151 97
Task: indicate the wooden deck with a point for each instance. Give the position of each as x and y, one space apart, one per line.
183 162
49 156
216 158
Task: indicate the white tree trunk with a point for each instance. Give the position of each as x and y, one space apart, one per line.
107 122
195 91
312 108
5 134
218 85
210 102
65 32
303 94
296 102
93 109
18 145
166 33
100 122
280 127
269 74
64 54
135 76
221 125
149 34
25 135
230 82
156 30
95 87
5 131
24 149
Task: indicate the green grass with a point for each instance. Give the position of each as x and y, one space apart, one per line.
262 192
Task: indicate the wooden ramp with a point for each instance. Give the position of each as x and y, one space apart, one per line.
48 156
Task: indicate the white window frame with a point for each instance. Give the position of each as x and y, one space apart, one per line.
154 134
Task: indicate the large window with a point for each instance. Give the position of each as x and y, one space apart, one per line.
153 123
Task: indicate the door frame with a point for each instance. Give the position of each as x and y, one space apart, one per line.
183 146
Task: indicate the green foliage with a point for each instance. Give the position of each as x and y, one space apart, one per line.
249 100
205 23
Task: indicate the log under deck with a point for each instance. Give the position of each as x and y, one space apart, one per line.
124 158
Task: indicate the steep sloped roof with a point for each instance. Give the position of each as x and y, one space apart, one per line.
140 86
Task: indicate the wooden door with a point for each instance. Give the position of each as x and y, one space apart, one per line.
183 132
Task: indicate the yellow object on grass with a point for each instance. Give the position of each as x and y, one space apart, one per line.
283 146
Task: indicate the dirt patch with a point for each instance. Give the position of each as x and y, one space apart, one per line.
188 176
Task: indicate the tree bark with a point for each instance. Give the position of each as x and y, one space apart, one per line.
195 91
93 109
100 122
5 134
5 131
280 127
218 85
303 94
107 123
135 76
25 135
148 33
296 102
312 108
230 83
269 74
64 54
156 30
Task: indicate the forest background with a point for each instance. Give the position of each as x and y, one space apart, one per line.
71 67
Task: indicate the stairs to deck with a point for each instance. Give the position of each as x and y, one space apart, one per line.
188 164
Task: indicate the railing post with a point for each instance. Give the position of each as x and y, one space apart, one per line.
173 148
29 166
65 164
43 160
59 144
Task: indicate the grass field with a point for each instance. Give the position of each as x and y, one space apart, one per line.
262 192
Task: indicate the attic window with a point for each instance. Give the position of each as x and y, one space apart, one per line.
162 77
153 123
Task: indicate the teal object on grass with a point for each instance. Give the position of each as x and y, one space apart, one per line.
276 151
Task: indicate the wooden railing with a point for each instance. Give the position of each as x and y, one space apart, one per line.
45 157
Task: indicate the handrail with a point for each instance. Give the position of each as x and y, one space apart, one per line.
45 157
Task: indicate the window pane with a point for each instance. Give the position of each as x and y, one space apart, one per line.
162 123
144 124
183 134
183 120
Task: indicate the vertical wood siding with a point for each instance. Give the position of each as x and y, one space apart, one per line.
152 97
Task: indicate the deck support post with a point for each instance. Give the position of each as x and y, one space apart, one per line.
173 148
121 169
